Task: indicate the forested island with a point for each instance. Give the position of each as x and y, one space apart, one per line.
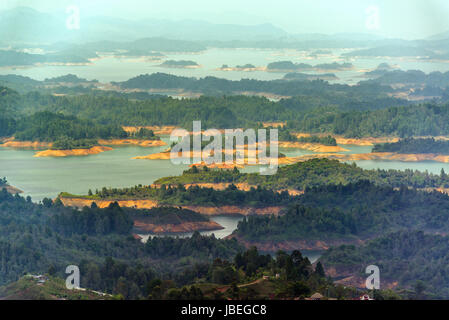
327 140
309 174
310 77
245 67
182 64
411 145
288 66
62 132
194 196
170 220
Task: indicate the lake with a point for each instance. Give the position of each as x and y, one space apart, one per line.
47 177
109 68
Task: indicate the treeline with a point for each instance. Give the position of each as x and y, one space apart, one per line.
410 146
66 131
93 221
48 126
353 112
218 86
416 120
47 237
327 140
65 143
358 210
418 262
309 174
166 215
179 195
315 111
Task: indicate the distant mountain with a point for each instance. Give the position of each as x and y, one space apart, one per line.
391 51
336 36
24 24
439 36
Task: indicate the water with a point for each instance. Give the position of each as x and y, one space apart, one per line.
229 223
109 68
47 177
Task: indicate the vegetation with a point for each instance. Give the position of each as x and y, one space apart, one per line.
179 195
179 64
327 141
65 143
417 261
166 215
29 288
410 146
47 126
321 107
311 173
290 66
336 212
144 134
47 237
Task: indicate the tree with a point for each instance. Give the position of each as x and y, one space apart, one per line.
319 270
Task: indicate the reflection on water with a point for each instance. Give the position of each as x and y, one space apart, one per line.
229 223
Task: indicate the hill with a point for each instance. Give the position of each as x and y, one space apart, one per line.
330 214
42 287
409 260
311 173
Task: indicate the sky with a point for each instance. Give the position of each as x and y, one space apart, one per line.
407 19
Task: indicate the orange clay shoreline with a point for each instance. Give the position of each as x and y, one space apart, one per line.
142 226
148 204
72 152
102 147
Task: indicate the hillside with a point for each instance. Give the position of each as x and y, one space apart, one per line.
309 173
170 220
411 260
30 287
415 146
327 215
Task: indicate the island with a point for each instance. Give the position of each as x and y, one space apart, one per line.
310 77
181 64
246 68
170 220
289 66
64 135
206 201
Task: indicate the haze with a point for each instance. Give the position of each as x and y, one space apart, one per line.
407 19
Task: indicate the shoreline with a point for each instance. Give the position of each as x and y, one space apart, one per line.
149 204
11 189
183 227
72 152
